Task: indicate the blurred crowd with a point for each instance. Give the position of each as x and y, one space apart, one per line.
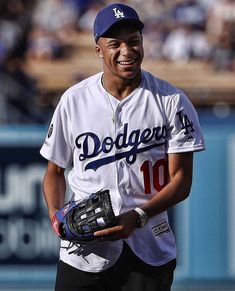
175 30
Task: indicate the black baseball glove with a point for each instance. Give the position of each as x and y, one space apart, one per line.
77 221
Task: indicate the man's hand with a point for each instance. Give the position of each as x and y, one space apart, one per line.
126 223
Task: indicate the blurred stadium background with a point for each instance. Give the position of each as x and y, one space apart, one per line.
46 46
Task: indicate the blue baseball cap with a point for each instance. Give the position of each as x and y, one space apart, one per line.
113 14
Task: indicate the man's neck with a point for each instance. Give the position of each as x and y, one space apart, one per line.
120 88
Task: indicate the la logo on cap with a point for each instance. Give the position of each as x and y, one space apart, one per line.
118 13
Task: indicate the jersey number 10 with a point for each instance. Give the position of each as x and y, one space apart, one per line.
155 175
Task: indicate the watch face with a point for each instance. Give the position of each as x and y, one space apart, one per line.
143 220
142 217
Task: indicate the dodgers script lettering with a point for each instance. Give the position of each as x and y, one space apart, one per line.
90 145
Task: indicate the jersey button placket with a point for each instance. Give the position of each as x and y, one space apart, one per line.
120 165
121 177
118 120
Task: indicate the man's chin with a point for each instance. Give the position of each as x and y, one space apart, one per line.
129 74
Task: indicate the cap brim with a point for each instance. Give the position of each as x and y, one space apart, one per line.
139 26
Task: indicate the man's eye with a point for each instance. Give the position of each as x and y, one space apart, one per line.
113 45
135 42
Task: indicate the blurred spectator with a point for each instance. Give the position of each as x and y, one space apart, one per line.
177 46
189 12
54 15
43 45
17 89
82 6
86 20
53 31
187 37
221 34
183 44
15 23
18 94
150 9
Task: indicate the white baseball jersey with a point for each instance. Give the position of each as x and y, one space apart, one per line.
126 154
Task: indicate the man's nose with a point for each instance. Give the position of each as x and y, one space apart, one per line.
125 49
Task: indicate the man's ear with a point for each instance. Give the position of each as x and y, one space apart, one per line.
98 51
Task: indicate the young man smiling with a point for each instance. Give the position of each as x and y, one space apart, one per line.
128 131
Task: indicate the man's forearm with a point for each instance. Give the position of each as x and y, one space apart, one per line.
54 187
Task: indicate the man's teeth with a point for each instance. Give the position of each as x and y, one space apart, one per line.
127 63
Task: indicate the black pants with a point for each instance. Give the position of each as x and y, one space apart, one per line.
129 273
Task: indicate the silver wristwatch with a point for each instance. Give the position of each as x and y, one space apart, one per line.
142 217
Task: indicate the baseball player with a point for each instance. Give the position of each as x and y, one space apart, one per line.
128 131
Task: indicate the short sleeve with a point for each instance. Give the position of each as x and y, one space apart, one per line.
184 131
57 146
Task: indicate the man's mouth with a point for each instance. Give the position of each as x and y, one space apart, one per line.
126 63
